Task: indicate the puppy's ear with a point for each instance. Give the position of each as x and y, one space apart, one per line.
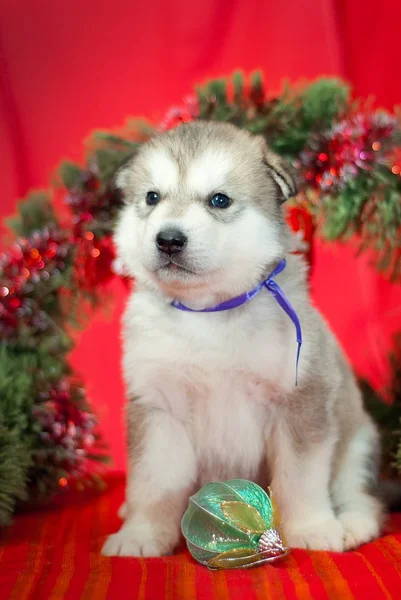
122 176
282 173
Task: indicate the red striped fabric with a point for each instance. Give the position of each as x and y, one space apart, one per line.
55 553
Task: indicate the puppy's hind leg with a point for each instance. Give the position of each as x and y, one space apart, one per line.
355 481
300 470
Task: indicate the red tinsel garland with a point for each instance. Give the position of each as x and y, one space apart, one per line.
356 143
24 268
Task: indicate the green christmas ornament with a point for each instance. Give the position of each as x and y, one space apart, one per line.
232 524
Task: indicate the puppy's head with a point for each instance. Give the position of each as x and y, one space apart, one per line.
202 214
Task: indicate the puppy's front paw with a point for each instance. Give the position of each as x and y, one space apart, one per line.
325 534
359 528
136 541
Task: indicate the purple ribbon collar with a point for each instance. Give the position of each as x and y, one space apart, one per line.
276 292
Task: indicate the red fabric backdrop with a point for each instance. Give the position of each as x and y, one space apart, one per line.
69 67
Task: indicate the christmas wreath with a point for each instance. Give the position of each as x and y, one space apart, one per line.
348 157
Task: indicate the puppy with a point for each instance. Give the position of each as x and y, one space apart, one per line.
212 396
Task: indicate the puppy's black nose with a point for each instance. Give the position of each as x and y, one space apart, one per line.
171 241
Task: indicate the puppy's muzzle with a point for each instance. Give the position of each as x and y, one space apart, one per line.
171 241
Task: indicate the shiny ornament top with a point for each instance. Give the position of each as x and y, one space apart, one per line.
232 524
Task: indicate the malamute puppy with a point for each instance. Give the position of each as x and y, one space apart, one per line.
212 396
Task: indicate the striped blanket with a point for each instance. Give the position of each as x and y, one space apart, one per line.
55 553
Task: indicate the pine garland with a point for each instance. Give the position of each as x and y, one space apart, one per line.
46 428
349 163
16 431
388 414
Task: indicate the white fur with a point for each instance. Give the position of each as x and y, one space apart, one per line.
309 518
140 538
208 172
358 512
219 389
163 172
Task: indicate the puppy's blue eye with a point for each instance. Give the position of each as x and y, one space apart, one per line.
219 201
152 198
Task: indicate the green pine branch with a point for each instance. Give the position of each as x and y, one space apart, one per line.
388 414
34 212
17 428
